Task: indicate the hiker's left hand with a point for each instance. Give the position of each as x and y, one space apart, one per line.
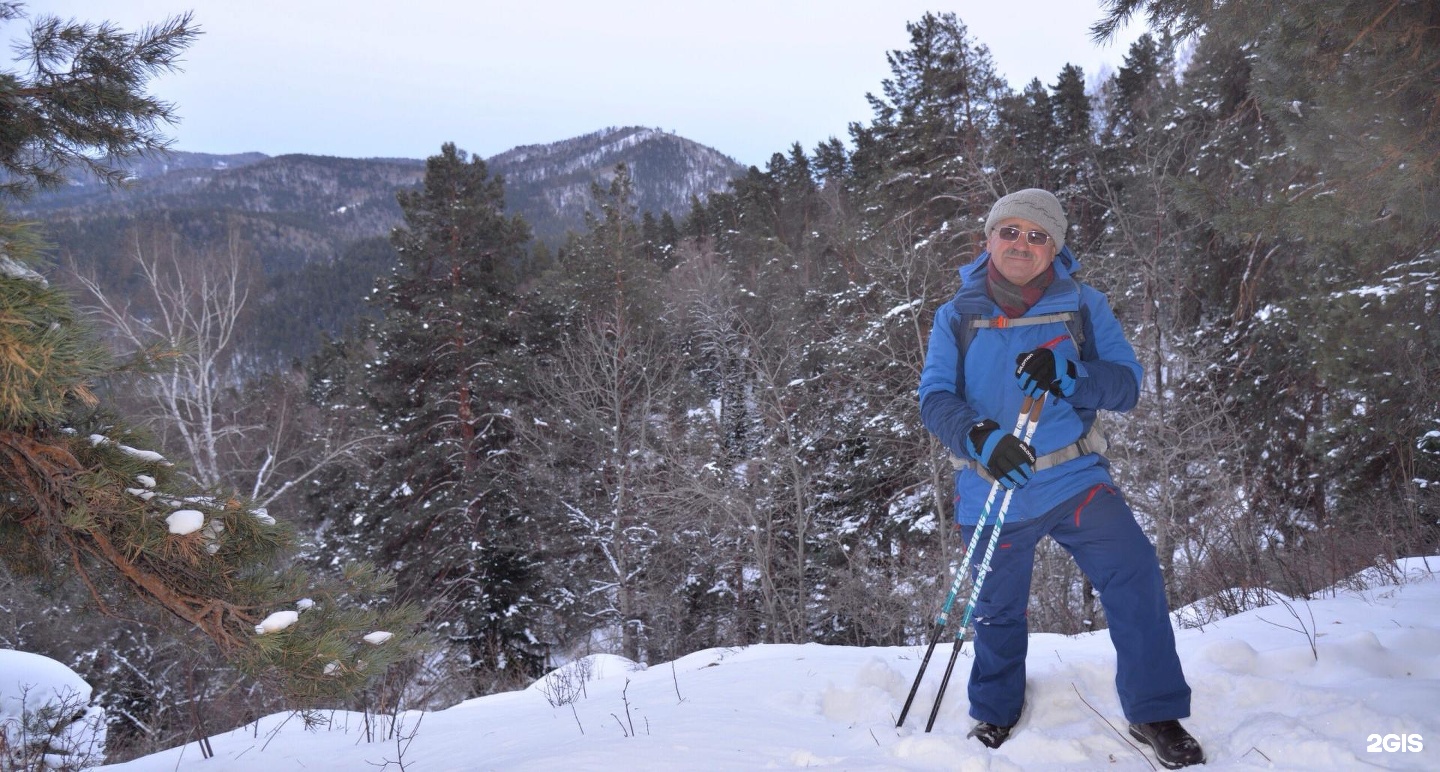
1042 370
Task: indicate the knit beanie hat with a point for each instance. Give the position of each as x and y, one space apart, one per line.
1038 206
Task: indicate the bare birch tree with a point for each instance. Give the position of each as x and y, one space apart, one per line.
183 331
605 396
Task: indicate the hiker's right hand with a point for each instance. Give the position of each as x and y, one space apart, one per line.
1007 459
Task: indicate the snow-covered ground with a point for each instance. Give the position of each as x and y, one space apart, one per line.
1348 680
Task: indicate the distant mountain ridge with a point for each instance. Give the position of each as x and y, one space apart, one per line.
548 184
319 225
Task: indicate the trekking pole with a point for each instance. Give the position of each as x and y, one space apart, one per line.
1031 410
1021 424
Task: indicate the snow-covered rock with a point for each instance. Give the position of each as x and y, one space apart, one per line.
588 668
46 719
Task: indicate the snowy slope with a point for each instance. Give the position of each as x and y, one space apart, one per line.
1264 699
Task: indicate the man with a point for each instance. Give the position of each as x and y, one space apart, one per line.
1011 332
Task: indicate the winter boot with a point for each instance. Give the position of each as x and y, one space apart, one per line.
992 735
1174 746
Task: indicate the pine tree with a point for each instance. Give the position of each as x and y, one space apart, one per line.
668 235
928 149
604 270
831 162
1138 90
1074 157
1134 160
447 372
1329 313
696 225
82 103
1027 139
81 494
1327 69
777 251
1318 178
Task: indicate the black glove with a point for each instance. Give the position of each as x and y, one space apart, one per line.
1043 370
1007 459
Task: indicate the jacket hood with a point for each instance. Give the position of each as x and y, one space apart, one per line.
1066 265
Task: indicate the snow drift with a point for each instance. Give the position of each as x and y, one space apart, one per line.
1348 679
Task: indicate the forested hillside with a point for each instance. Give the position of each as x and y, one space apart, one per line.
662 437
311 233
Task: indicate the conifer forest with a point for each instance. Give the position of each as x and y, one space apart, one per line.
679 430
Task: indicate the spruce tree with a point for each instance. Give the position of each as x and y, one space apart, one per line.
82 495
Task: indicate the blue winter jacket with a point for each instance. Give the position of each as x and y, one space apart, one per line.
954 396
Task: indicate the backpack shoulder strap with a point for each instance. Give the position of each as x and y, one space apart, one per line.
1081 333
1077 323
967 325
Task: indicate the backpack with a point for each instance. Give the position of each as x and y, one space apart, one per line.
1078 323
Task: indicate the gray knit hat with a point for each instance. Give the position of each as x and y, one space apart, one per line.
1038 206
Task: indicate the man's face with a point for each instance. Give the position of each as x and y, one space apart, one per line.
1019 261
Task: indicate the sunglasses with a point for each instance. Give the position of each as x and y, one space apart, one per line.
1033 238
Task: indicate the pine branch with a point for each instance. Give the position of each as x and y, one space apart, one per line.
81 103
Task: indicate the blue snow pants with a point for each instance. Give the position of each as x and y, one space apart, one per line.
1098 529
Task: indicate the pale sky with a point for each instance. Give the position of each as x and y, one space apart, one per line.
749 78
